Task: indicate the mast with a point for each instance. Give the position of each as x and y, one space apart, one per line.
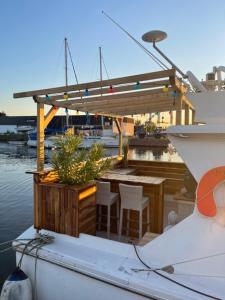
100 70
66 78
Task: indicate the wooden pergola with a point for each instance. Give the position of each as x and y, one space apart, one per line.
118 97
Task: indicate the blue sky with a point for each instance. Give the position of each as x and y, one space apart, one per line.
32 33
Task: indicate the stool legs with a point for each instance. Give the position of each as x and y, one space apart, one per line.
99 217
108 221
140 224
117 215
121 223
148 218
128 222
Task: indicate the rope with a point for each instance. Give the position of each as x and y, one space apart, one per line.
106 71
153 57
74 71
172 280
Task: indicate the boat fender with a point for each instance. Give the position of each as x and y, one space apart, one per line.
206 203
17 287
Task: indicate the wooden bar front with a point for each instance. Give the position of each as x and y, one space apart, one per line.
153 188
61 208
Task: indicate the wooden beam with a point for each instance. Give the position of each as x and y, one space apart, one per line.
128 103
137 110
40 137
119 127
183 90
97 84
179 111
112 97
50 115
193 116
105 91
187 114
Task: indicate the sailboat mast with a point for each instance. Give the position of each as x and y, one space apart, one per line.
66 69
66 78
100 69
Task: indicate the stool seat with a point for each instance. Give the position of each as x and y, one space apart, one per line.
104 197
132 199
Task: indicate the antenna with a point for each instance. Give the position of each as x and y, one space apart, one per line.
66 78
153 57
156 36
100 70
66 68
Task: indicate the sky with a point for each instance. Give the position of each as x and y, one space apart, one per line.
32 34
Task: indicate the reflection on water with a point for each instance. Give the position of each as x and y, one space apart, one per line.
16 200
154 153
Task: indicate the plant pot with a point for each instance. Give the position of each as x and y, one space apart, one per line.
66 209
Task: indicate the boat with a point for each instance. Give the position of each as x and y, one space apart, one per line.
18 143
184 262
49 142
194 249
106 139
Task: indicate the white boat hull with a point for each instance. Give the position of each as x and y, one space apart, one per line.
89 266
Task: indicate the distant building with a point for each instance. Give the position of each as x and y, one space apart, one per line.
17 124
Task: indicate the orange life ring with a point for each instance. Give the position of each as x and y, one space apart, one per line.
205 200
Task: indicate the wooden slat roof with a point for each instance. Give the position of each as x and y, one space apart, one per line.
125 97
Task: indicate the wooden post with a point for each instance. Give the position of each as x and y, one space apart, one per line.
179 111
171 117
193 116
187 114
40 136
119 127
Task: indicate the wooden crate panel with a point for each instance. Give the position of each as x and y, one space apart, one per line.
61 209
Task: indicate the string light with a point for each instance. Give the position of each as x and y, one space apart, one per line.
86 92
111 89
66 96
66 110
165 88
174 93
48 97
137 85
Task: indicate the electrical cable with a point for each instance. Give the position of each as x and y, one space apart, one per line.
153 57
172 280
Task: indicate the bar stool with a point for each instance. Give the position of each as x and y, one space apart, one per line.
106 198
132 199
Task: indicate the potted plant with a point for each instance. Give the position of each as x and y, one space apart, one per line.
68 192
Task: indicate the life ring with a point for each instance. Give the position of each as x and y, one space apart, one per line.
205 199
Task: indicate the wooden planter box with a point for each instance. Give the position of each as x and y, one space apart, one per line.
64 209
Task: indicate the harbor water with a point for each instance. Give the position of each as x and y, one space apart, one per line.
16 199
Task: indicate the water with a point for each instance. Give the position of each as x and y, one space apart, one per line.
16 199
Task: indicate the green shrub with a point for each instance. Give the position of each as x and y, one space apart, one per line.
78 166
